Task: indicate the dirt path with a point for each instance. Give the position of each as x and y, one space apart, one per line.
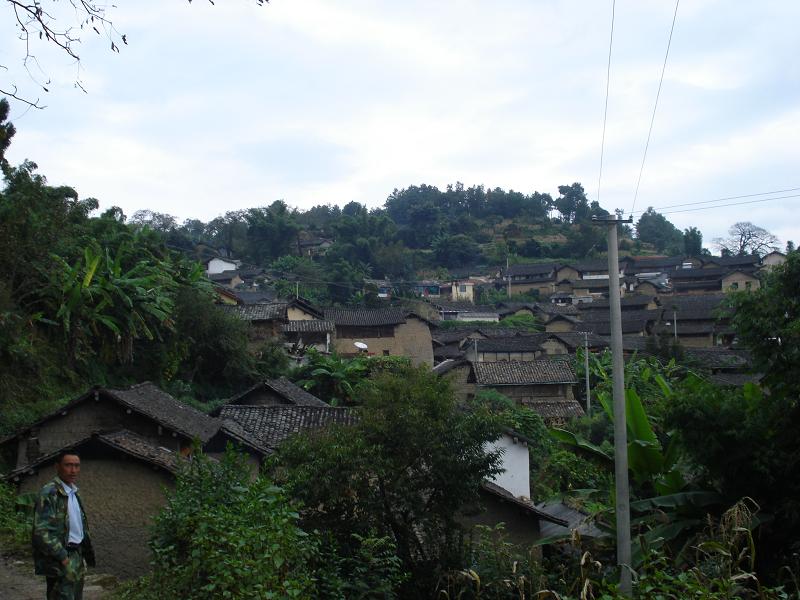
17 582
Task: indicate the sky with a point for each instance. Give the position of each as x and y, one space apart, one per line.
211 108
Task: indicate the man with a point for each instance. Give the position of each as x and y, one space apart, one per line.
61 544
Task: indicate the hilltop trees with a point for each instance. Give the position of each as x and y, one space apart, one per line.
654 228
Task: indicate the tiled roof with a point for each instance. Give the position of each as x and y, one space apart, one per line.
576 339
717 357
734 261
524 503
655 263
365 317
592 316
636 300
629 326
282 387
257 312
555 410
710 273
448 336
449 351
462 306
448 365
508 344
137 446
711 285
693 307
258 297
121 440
149 400
268 426
529 269
223 276
308 326
591 284
734 379
540 371
599 265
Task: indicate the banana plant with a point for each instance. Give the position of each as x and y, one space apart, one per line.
675 511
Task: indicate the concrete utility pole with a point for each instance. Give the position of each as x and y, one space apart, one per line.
586 369
623 510
508 278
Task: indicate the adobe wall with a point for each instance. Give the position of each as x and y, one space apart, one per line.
740 280
697 341
81 421
552 347
458 378
120 496
559 326
295 314
412 339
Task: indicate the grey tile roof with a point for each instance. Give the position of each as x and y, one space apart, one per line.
655 263
257 312
540 371
223 276
308 326
530 269
147 399
703 306
734 261
448 336
575 339
636 300
282 387
711 273
137 446
555 410
268 426
121 440
734 379
591 284
717 357
508 344
524 503
365 317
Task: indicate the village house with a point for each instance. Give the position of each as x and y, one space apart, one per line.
228 279
516 348
220 264
123 478
384 331
526 278
132 439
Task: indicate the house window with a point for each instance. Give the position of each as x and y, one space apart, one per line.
734 286
462 289
748 285
386 353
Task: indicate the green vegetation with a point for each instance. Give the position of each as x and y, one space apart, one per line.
405 470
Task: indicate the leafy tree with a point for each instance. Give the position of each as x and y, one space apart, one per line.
654 228
271 232
572 203
744 238
405 470
454 250
692 242
789 246
7 132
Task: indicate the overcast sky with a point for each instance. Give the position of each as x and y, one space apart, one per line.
217 108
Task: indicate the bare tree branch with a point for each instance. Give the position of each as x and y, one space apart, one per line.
744 239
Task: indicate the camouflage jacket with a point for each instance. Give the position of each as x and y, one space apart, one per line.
51 530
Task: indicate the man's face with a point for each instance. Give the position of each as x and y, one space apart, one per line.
69 468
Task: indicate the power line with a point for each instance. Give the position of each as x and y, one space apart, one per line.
720 200
655 106
605 110
731 204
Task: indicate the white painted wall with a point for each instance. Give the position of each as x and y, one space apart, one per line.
218 265
515 461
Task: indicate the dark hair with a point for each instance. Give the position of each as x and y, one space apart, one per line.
60 456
